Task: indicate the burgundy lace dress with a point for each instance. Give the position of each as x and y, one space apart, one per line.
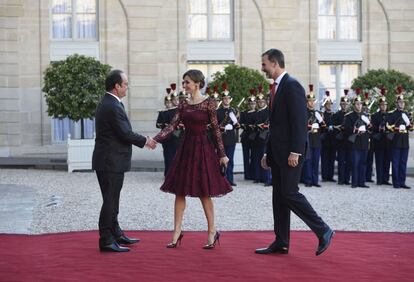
195 170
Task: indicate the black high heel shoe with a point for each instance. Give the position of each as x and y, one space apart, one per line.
212 245
174 245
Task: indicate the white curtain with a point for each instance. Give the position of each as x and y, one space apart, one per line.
65 126
82 15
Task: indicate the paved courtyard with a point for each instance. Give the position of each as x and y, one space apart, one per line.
36 201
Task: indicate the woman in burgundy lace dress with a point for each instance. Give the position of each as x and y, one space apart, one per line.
195 170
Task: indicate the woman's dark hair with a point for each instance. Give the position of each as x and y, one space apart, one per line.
275 56
196 76
113 78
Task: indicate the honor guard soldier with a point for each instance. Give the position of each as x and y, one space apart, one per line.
328 141
310 171
366 108
356 126
262 130
342 144
248 136
226 117
165 116
399 125
380 143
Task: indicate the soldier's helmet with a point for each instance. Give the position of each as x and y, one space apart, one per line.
310 95
225 92
215 95
168 95
252 96
327 98
382 98
260 95
366 100
344 98
173 89
400 93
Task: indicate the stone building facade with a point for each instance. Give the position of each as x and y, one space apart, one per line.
152 42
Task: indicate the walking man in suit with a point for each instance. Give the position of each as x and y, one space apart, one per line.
284 155
112 158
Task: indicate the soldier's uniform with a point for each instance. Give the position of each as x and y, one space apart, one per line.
248 136
356 126
310 170
169 145
399 124
342 144
370 156
227 121
328 149
262 135
380 144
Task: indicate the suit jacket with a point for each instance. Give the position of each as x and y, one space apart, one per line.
114 137
288 121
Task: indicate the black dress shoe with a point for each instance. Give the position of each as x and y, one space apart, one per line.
308 185
354 186
341 183
316 185
324 241
386 183
405 187
114 247
332 180
347 183
397 187
232 183
126 241
272 250
369 180
364 186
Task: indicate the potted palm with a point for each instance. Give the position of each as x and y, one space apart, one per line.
73 88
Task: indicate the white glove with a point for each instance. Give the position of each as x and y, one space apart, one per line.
365 119
315 125
228 127
362 129
406 119
318 117
330 128
233 117
402 128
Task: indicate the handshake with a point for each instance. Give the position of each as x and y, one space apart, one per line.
151 143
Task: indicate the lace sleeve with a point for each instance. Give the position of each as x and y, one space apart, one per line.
212 113
168 130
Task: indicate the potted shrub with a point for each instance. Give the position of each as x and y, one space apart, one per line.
73 88
390 80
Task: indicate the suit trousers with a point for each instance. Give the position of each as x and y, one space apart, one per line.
286 197
111 185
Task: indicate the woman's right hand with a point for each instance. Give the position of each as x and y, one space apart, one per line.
224 161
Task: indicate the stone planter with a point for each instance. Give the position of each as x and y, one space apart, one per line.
80 154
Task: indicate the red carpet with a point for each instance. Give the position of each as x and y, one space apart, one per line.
353 256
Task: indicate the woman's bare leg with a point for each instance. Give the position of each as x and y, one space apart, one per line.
179 208
208 207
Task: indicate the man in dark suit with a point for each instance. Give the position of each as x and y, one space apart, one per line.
112 157
284 155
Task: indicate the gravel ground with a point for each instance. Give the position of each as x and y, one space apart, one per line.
71 201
